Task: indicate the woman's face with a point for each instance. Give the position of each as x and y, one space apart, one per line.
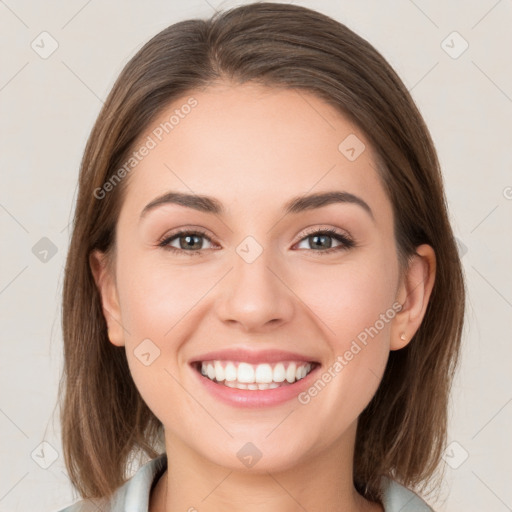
258 282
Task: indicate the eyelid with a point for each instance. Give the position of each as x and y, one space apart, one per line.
311 230
165 240
186 230
341 236
345 240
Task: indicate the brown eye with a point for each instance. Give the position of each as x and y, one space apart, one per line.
322 240
190 242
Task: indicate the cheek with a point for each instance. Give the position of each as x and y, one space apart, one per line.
157 303
350 297
354 302
155 297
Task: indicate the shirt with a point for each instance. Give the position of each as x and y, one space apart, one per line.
133 495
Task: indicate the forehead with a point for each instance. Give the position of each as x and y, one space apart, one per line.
250 145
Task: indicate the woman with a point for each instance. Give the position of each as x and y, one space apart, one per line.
262 292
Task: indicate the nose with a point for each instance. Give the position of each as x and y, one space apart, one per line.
255 296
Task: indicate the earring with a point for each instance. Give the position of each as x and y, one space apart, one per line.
402 336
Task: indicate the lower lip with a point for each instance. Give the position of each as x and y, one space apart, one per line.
259 397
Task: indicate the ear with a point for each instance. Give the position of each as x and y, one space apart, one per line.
105 282
413 294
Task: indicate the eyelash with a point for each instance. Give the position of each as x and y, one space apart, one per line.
347 243
164 243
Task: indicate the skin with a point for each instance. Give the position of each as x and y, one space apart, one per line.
254 148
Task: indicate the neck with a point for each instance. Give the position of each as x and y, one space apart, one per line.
320 481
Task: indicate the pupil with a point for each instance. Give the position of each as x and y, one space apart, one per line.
189 244
316 237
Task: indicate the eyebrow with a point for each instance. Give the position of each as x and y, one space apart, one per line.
197 202
318 200
298 204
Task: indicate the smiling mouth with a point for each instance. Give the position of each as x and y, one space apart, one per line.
242 375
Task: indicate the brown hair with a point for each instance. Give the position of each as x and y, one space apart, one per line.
402 431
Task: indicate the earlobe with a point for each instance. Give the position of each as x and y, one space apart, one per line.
414 295
107 289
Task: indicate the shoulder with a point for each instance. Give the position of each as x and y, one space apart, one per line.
86 506
397 498
134 491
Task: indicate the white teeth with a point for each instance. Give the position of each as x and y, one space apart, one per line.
245 373
240 385
230 372
247 376
264 373
219 372
279 374
291 372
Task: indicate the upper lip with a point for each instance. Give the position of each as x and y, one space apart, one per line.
252 356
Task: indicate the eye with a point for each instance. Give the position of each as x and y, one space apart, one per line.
322 238
189 242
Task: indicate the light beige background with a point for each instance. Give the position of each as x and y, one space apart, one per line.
48 107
